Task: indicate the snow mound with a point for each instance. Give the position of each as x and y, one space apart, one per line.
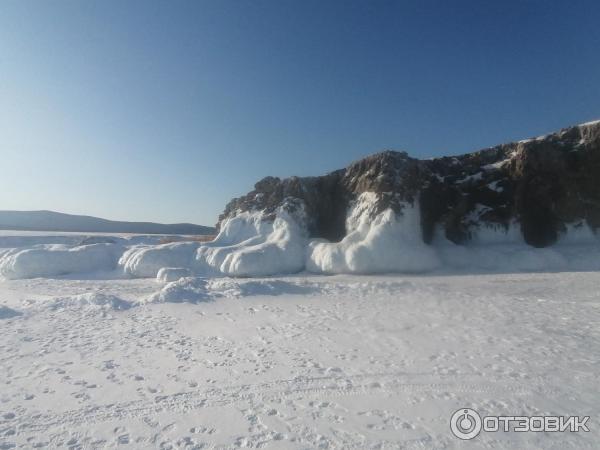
94 300
56 260
197 290
168 274
389 243
146 261
184 290
227 287
8 313
248 246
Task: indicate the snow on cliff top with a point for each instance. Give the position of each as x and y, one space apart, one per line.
587 124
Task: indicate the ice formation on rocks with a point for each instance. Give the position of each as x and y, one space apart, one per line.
391 242
523 206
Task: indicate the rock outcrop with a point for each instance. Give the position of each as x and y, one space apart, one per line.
542 186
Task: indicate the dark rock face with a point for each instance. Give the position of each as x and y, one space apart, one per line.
323 197
541 184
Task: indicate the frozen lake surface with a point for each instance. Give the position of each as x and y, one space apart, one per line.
301 361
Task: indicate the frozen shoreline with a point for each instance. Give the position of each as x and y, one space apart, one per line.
250 246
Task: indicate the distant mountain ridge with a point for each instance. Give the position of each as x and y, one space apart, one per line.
55 221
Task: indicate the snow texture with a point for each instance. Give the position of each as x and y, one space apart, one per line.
196 289
95 300
297 362
8 313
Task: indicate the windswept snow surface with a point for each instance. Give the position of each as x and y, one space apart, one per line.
297 362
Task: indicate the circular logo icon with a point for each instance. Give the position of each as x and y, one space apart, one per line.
465 424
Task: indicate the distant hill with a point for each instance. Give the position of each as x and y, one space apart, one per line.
54 221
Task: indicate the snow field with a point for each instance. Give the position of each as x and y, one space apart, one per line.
297 362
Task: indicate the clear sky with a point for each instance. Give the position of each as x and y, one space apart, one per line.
163 111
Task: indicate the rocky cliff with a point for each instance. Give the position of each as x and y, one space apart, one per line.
542 186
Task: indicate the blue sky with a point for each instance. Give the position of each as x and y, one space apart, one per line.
163 111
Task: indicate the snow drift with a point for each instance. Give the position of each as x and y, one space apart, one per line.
56 260
89 300
198 289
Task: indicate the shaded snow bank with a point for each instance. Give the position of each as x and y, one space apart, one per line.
509 257
8 313
499 249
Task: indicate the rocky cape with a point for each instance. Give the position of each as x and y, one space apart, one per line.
543 186
532 205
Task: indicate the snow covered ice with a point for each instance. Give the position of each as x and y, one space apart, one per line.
135 344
